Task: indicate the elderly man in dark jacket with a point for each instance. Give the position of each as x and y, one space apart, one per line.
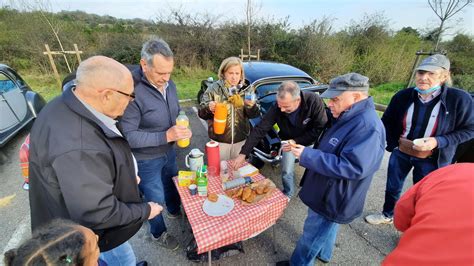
300 116
82 168
340 168
424 126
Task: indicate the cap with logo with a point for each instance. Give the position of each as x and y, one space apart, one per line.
434 62
346 82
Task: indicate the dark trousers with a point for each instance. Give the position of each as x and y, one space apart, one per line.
399 166
157 186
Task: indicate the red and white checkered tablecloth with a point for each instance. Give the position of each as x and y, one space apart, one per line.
243 222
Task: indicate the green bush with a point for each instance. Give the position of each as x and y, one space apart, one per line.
384 92
20 63
465 82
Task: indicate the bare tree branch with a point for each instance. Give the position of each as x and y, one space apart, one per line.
445 11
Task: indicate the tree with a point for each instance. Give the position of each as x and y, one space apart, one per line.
250 13
445 11
410 30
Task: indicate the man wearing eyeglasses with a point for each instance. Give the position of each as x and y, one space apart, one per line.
149 124
82 168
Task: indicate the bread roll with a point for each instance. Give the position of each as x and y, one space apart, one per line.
213 197
252 196
246 193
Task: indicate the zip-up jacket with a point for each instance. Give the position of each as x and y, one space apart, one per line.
83 171
237 122
339 171
148 117
455 120
309 124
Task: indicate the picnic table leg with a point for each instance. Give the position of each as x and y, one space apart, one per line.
209 257
274 239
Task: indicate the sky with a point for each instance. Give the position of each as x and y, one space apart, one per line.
401 13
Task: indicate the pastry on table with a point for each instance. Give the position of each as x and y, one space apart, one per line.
212 197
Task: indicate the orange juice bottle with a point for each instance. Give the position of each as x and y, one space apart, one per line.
182 120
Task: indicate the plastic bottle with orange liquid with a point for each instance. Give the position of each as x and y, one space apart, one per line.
182 120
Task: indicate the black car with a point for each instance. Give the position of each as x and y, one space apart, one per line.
19 105
266 77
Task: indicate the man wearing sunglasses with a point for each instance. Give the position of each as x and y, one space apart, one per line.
82 168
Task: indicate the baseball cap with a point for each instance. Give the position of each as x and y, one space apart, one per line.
434 62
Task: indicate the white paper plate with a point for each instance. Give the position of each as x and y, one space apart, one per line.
221 207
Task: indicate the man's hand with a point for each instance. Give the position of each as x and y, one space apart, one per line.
138 180
237 162
155 209
212 106
285 146
297 150
425 144
175 133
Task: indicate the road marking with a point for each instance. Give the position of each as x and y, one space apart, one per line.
18 236
204 124
6 200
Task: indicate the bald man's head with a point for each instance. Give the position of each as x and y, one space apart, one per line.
100 72
104 84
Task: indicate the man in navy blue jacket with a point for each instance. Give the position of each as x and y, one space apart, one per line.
149 124
340 169
424 126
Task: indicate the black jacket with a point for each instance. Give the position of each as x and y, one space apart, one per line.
82 171
309 123
455 121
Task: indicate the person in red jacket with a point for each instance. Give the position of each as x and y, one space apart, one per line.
436 216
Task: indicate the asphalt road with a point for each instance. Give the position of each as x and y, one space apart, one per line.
358 243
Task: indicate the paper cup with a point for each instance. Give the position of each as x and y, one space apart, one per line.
193 189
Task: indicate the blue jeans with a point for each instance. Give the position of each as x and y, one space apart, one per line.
157 186
288 173
399 165
121 256
318 239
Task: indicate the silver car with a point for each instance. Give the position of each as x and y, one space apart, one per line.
19 105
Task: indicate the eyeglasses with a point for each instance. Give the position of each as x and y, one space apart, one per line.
131 95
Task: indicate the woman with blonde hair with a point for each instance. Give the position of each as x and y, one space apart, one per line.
229 90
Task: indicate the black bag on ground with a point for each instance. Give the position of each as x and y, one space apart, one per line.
222 252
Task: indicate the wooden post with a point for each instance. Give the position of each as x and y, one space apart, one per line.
78 53
258 54
53 66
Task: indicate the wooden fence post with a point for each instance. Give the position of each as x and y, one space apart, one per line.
78 53
53 65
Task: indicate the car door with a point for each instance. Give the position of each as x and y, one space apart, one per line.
13 106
